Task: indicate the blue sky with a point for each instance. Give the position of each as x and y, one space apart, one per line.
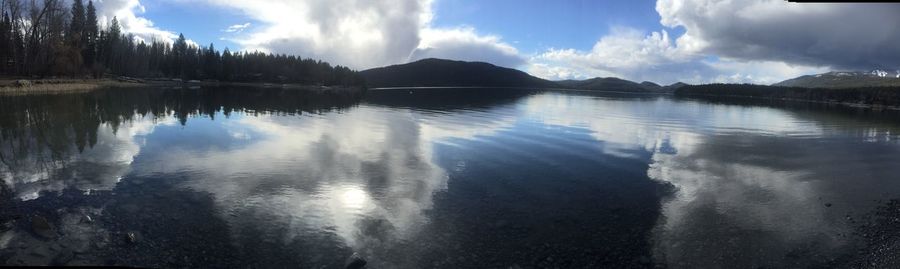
665 41
534 26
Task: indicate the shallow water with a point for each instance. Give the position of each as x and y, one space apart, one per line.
437 178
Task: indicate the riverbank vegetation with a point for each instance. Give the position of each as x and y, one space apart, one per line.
47 38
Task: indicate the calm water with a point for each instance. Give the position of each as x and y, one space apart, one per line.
270 178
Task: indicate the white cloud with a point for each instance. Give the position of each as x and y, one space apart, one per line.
625 53
465 44
237 28
359 34
761 72
737 41
363 34
127 13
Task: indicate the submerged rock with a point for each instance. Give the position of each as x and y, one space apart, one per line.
132 237
6 226
64 257
355 262
42 227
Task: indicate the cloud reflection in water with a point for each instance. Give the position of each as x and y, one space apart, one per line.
366 175
751 182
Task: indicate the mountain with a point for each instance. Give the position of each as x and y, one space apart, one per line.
675 86
650 85
617 84
448 73
875 78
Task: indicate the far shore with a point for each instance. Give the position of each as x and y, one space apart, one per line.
21 86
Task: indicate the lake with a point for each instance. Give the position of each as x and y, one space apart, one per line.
452 178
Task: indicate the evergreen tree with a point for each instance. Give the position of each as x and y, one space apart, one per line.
5 42
76 27
91 30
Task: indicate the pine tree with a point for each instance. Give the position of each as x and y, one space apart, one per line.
5 41
74 49
91 30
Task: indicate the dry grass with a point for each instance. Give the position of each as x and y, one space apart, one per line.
9 87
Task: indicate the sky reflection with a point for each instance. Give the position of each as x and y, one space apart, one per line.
681 183
751 182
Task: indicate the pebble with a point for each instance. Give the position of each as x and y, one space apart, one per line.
64 257
131 237
42 227
355 262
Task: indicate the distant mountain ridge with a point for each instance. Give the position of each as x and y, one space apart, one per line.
844 79
449 73
617 84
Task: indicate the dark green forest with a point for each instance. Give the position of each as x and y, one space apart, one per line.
47 38
880 96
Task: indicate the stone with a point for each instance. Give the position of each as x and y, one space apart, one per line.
132 237
79 263
130 208
644 260
42 227
6 226
22 259
355 262
23 83
64 257
41 251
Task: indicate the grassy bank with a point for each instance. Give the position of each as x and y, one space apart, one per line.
43 86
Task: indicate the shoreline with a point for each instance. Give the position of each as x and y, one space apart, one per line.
45 86
13 86
709 97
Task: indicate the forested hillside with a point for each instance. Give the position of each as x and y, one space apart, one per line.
878 96
449 73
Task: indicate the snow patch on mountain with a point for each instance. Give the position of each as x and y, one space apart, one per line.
879 73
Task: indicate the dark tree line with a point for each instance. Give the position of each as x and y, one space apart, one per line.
880 96
47 38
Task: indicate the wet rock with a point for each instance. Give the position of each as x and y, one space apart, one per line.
132 237
79 263
23 83
644 260
130 208
64 257
40 251
42 227
22 259
6 226
355 262
500 224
